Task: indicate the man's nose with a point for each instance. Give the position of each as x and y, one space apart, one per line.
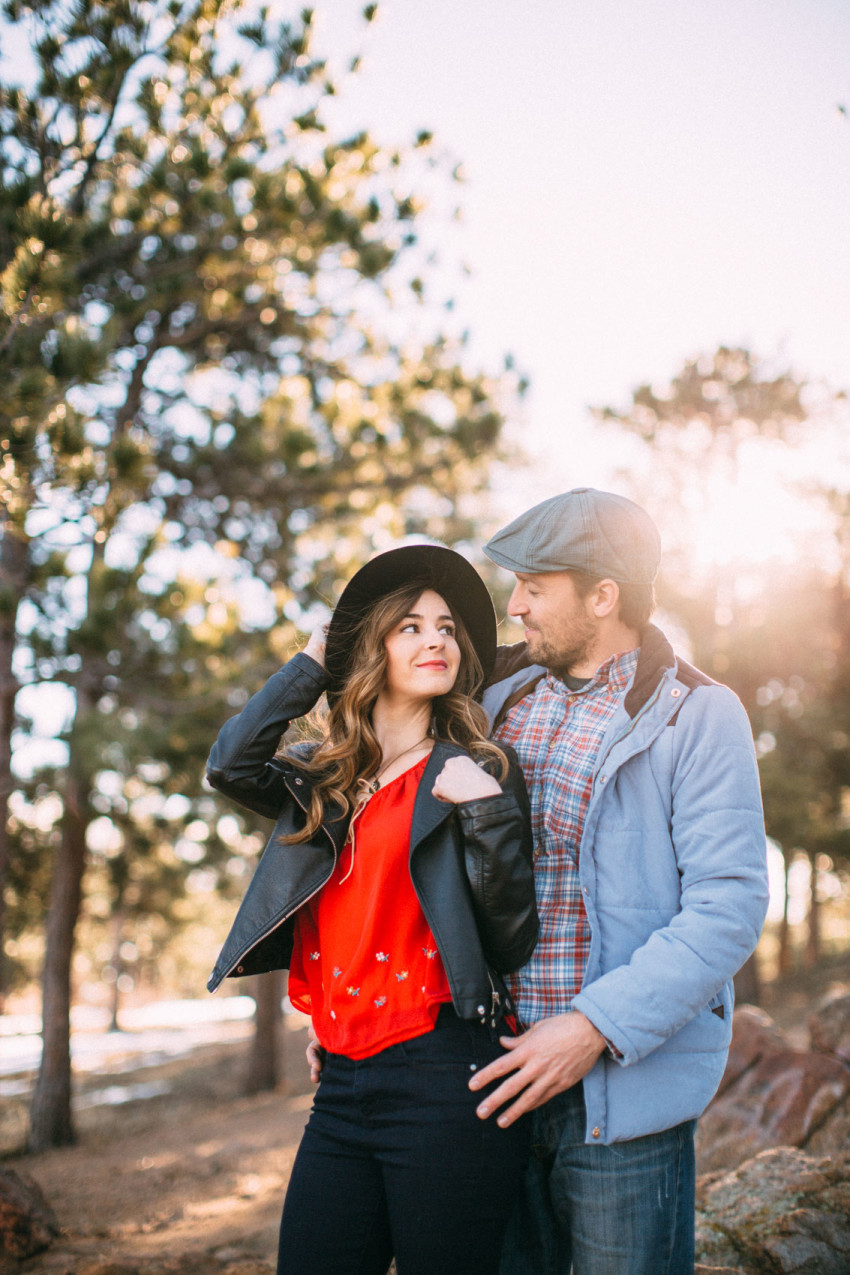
517 604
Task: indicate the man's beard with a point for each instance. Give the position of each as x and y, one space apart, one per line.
563 657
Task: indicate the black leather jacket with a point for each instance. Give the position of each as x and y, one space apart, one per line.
470 863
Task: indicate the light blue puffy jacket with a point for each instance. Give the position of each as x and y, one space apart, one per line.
673 872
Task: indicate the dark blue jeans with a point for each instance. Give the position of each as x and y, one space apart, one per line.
395 1163
624 1209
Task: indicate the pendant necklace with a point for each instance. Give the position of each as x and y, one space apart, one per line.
374 784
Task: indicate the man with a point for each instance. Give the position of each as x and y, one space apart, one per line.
651 881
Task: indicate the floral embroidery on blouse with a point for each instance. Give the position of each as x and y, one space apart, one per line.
353 991
382 1000
430 952
336 971
314 956
382 956
402 976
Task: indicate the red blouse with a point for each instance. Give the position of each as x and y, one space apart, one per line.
365 966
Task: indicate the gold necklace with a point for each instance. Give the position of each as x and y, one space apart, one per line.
374 784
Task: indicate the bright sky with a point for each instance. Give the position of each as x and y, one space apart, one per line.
644 182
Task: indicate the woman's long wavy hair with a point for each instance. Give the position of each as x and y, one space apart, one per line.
348 751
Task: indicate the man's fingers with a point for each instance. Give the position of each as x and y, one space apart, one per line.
534 1096
509 1089
494 1071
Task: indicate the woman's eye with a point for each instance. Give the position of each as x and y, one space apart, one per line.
448 629
408 628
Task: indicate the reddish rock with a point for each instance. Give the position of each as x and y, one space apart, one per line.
782 1212
754 1034
829 1026
27 1222
780 1101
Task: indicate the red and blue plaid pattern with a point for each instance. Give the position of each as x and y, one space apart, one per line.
556 733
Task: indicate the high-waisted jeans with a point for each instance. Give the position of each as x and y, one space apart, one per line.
394 1162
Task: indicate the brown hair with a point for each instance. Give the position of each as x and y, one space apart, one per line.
637 601
348 749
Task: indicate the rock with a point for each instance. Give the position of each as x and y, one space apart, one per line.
833 1136
754 1034
107 1268
829 1026
27 1222
782 1212
781 1100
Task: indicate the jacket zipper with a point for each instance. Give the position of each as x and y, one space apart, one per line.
632 725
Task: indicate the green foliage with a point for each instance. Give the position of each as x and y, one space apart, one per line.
206 418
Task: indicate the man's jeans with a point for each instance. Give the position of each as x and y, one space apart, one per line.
624 1209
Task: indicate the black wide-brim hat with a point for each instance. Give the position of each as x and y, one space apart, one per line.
427 567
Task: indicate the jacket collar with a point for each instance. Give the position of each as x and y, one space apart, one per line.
428 811
655 655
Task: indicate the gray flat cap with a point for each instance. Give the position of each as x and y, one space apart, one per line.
582 529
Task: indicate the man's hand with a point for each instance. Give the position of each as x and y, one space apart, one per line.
550 1057
315 1059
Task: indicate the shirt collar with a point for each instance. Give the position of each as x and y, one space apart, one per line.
615 673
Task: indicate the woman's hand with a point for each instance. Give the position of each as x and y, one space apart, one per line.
461 780
315 647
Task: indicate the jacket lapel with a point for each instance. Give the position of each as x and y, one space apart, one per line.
335 822
428 812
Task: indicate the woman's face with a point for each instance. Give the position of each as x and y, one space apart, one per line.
423 656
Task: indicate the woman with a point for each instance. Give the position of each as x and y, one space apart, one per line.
397 887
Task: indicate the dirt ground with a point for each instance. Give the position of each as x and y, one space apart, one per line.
191 1183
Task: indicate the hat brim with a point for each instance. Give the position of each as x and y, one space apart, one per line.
429 566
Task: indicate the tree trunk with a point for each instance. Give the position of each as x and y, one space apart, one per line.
14 575
784 955
813 938
51 1124
117 939
265 1061
748 982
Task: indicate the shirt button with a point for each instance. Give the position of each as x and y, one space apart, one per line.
480 1009
675 692
240 969
473 1066
299 781
603 779
596 1132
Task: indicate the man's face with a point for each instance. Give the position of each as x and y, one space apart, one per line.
560 630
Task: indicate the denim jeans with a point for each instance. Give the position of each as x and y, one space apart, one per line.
395 1163
623 1209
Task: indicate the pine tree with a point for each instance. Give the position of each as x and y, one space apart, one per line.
201 378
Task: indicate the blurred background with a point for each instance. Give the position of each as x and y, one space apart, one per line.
283 287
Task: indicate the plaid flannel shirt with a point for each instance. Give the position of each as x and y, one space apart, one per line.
557 733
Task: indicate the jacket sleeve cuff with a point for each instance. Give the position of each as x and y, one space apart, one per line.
617 1046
